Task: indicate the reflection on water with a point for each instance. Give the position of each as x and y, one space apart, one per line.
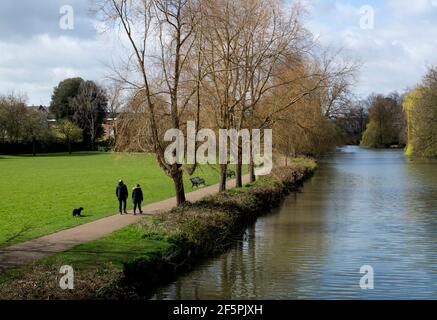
362 207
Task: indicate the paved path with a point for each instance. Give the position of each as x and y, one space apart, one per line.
27 252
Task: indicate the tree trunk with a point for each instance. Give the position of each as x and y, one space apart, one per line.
239 174
252 171
34 147
223 168
238 169
69 147
179 188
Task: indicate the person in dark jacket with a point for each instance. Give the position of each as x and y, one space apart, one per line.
137 197
122 194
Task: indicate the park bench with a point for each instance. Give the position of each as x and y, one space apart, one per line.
230 174
196 182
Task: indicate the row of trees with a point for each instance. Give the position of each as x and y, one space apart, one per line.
78 108
421 110
407 120
226 65
20 124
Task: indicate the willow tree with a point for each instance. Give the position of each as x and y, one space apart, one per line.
244 42
386 125
159 36
420 106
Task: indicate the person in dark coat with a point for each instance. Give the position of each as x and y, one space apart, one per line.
122 194
137 197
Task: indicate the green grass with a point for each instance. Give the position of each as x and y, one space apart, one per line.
39 193
125 245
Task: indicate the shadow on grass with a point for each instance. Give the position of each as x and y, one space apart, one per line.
10 240
85 216
54 155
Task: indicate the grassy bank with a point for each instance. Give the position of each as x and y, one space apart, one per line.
39 193
130 262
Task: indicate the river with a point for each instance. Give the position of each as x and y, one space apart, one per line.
362 207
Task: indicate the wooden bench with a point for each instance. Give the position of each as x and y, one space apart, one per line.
230 174
196 182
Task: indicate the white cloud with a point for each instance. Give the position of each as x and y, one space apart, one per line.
35 54
395 53
37 65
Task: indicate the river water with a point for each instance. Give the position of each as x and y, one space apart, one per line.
363 207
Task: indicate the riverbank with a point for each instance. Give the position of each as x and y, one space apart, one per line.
129 263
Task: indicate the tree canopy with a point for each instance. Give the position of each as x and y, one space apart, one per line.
420 106
386 125
61 97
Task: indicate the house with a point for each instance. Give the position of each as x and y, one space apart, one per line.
51 119
109 126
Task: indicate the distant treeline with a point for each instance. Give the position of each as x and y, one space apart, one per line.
40 147
408 120
74 120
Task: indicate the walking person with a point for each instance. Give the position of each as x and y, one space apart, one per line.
137 197
122 194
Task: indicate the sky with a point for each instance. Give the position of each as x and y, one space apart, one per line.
394 50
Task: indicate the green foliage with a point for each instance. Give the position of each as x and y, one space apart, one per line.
372 136
67 131
89 106
62 95
387 124
421 108
85 103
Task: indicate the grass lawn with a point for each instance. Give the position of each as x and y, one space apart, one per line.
39 193
121 246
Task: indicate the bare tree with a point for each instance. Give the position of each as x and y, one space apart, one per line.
35 128
160 38
115 104
222 51
89 110
13 115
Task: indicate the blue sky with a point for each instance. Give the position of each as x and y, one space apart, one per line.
35 54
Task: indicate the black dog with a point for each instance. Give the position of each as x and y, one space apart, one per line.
77 212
